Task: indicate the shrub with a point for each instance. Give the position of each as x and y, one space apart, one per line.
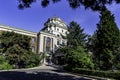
34 60
78 58
107 74
4 64
118 66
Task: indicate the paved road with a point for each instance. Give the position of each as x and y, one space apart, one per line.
39 73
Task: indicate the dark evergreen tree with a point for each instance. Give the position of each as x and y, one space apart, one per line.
76 36
107 41
90 42
74 53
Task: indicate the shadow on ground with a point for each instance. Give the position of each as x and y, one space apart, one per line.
17 75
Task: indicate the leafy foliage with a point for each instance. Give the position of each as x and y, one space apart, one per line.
9 39
4 63
76 36
78 58
17 56
104 74
92 4
74 52
16 48
106 41
33 60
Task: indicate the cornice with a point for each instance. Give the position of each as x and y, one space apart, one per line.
17 29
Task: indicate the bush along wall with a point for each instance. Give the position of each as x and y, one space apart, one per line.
105 74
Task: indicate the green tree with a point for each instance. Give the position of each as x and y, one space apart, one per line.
16 48
4 63
9 39
106 42
92 4
77 58
76 36
33 60
17 56
74 53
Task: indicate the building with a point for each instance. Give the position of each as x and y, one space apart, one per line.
48 39
32 35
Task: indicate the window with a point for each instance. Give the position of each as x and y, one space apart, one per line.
0 45
58 42
66 32
63 42
54 28
62 30
48 42
51 31
57 29
33 49
58 35
33 39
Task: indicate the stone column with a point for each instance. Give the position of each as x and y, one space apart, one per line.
44 49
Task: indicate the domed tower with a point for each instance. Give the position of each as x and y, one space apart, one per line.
52 35
55 26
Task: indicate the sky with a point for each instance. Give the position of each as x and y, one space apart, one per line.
33 19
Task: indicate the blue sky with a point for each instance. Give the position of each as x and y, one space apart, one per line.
33 18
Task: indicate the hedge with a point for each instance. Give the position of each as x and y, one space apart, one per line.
105 74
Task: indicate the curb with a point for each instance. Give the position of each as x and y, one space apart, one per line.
22 69
42 66
93 77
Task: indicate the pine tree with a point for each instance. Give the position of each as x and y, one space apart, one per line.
76 36
74 53
107 42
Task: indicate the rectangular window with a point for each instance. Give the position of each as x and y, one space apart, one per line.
54 28
63 42
0 45
57 29
33 49
33 39
62 30
58 42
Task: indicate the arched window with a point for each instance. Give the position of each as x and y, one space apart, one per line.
58 35
48 42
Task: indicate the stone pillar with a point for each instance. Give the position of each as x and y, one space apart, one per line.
44 49
51 44
44 44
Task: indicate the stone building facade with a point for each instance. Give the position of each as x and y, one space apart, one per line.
48 39
32 35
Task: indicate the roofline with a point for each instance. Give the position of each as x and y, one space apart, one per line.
17 29
46 33
65 27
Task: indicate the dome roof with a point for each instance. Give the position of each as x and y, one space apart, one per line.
55 21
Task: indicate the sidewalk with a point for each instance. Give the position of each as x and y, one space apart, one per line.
38 67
